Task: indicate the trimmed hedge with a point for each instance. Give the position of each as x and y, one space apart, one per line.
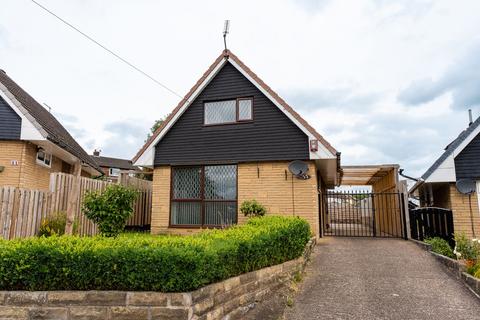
153 263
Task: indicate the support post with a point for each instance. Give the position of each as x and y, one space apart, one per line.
73 198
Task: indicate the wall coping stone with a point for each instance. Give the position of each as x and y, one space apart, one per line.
228 299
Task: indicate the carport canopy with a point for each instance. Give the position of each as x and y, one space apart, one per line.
364 175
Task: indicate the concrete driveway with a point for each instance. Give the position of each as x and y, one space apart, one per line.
368 278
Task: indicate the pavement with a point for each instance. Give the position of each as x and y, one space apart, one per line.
368 278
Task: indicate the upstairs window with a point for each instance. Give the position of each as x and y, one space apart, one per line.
114 172
228 111
44 158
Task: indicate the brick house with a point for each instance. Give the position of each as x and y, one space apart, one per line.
112 167
437 186
33 143
229 140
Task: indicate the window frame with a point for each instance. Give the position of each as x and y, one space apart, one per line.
46 155
113 175
202 199
237 120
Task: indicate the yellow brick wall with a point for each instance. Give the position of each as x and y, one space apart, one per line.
11 150
268 185
27 174
461 212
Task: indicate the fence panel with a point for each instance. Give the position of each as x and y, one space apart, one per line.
142 208
431 222
21 211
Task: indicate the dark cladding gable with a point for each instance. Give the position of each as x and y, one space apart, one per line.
10 122
271 135
467 163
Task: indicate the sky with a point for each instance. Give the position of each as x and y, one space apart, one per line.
383 81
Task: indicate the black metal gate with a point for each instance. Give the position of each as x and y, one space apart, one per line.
363 214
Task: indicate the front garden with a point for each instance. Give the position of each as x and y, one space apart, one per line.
150 263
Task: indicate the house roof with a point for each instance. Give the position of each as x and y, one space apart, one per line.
227 54
114 162
45 122
451 147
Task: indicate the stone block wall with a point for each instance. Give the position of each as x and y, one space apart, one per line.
229 299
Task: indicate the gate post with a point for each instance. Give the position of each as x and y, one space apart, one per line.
373 215
404 218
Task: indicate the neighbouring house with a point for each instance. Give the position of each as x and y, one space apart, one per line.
112 167
229 140
437 186
34 143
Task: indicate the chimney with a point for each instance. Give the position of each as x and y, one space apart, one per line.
470 118
96 152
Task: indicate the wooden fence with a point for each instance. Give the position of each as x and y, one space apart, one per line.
22 210
432 222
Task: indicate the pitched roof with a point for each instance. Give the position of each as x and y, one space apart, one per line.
450 148
114 163
227 54
49 126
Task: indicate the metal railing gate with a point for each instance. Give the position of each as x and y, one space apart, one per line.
363 214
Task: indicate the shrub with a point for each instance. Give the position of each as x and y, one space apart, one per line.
440 246
55 225
251 208
110 209
465 248
146 262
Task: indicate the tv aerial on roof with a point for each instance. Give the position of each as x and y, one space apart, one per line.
299 169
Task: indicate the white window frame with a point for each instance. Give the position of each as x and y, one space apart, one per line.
478 195
43 162
111 174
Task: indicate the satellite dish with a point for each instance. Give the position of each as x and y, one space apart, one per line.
466 186
299 169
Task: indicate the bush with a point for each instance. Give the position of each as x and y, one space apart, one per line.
251 208
465 248
441 246
55 225
146 262
110 209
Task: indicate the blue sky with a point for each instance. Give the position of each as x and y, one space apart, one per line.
383 81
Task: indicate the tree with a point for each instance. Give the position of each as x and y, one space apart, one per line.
155 126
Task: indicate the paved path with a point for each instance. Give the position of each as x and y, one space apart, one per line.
364 278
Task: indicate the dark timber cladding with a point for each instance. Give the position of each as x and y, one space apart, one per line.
10 122
467 163
270 136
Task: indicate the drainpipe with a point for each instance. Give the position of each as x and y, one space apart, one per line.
400 172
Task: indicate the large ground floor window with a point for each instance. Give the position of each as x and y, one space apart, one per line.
204 196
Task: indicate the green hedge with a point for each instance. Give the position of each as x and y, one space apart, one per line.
145 262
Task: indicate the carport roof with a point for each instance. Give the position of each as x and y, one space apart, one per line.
363 175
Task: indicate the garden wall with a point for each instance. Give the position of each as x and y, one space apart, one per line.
229 299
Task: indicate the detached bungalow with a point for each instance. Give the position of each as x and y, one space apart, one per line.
437 186
33 143
229 140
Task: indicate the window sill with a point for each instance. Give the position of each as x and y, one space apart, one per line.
227 123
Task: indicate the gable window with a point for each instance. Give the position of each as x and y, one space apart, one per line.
114 172
44 158
228 111
204 196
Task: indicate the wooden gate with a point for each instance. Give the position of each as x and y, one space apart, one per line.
364 214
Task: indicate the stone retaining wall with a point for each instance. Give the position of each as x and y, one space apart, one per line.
229 299
455 267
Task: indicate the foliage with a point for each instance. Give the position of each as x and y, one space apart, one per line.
110 209
55 225
155 126
441 246
465 248
145 262
252 208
